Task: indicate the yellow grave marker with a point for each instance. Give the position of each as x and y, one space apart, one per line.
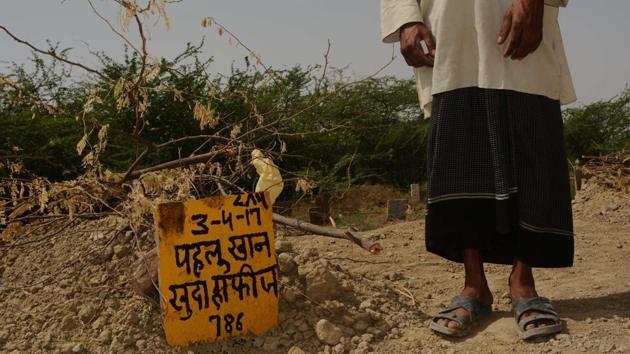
218 272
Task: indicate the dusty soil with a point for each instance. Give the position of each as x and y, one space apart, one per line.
65 290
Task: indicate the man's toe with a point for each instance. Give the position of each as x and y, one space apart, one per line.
453 325
538 323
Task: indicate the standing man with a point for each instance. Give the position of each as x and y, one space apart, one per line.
492 74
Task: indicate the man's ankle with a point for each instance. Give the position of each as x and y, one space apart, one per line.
523 293
522 287
481 292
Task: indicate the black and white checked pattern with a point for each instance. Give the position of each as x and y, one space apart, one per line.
502 149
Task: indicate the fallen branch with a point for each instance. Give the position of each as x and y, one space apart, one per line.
374 248
172 164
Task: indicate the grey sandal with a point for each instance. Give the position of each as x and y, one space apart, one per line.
475 309
547 312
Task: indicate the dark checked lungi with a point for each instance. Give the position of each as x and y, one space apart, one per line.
498 178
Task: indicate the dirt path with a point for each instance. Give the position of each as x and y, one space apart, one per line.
67 292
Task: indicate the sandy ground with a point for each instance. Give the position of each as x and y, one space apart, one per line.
593 297
67 292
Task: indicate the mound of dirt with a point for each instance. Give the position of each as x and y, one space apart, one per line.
67 292
597 201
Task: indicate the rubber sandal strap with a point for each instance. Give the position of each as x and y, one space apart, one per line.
468 303
536 304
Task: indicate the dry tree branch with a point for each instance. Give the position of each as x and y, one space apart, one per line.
337 90
319 100
323 76
251 52
173 164
54 232
135 164
319 131
59 216
222 130
133 92
144 49
53 110
54 55
36 228
112 28
374 248
191 137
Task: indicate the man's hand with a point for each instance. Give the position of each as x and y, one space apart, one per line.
410 36
523 22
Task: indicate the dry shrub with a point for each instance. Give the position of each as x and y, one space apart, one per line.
91 197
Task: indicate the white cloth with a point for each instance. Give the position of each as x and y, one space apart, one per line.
467 54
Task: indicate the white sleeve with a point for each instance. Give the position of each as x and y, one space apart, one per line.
394 14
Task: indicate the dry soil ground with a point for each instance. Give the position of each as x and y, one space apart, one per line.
67 292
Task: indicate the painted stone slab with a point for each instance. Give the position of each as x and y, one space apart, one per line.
217 271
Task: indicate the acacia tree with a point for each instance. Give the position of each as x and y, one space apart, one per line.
601 127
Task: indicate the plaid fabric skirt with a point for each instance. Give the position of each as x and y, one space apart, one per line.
498 178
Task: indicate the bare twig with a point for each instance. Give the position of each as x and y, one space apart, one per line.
190 137
318 101
54 55
406 293
250 51
135 164
133 92
112 28
321 79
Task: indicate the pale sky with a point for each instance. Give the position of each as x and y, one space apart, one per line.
289 32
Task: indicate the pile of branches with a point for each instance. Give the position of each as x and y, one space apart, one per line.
23 201
611 171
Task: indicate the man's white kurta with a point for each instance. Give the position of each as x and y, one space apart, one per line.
467 54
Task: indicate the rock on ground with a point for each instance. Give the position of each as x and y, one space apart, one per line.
327 332
321 284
